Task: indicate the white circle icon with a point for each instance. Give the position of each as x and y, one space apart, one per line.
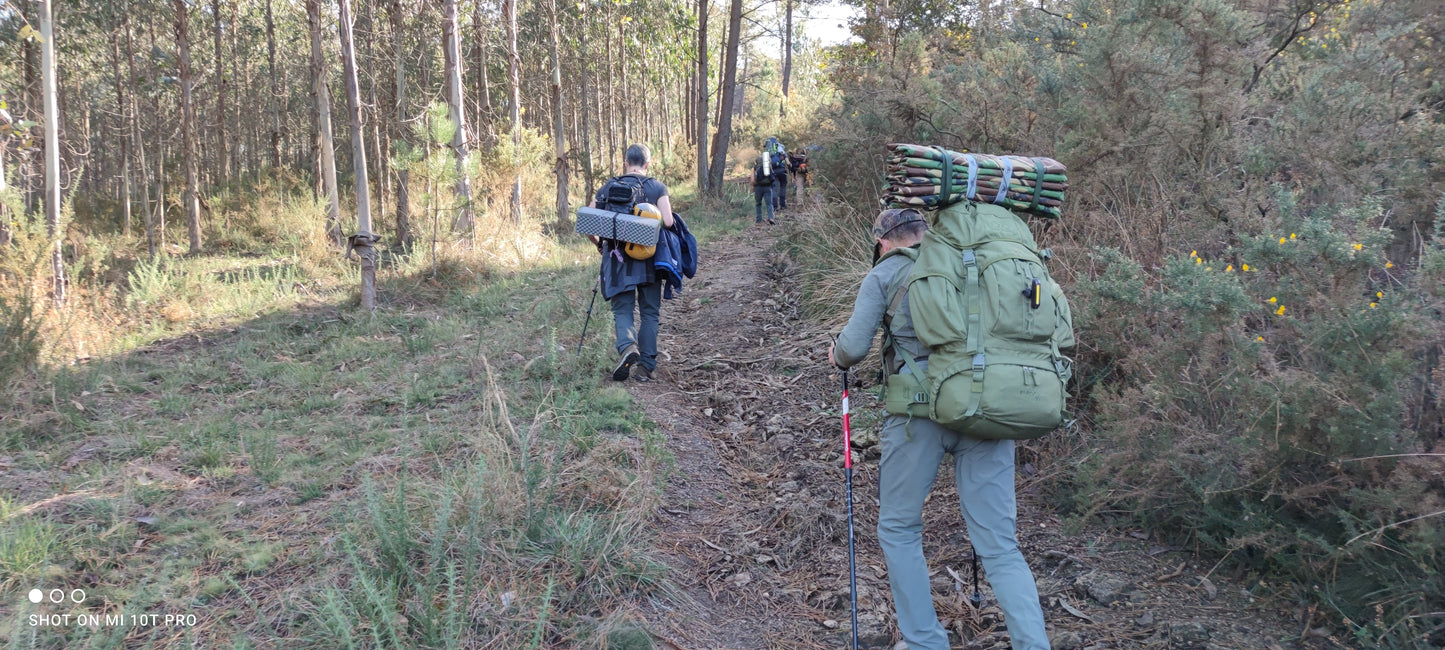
57 595
36 596
77 596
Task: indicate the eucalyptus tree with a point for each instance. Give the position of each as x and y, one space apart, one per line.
729 88
559 136
514 101
363 239
700 88
191 191
452 44
398 121
323 122
52 150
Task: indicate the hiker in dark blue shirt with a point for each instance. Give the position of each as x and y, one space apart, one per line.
630 285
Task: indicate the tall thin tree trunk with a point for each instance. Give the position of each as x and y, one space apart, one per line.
586 64
323 124
274 101
479 68
611 104
403 194
158 236
191 193
122 123
729 87
363 239
514 68
700 110
559 135
377 159
139 144
787 57
374 109
52 153
483 30
623 106
233 103
223 157
5 218
455 107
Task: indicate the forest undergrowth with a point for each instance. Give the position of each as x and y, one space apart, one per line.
1252 246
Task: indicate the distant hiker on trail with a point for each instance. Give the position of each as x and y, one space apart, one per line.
762 189
632 284
780 180
912 449
779 162
798 161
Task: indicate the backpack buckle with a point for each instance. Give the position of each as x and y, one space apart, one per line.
1064 366
969 259
920 398
978 365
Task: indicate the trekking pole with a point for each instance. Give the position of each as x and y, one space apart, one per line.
595 286
977 598
588 321
848 471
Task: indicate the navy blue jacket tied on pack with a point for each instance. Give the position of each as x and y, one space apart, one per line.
676 256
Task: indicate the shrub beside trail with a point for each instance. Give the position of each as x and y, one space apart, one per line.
1253 249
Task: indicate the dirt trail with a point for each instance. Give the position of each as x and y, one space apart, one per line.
752 522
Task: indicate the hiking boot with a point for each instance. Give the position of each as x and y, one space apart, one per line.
624 364
642 374
772 223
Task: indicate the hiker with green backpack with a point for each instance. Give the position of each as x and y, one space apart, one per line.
973 330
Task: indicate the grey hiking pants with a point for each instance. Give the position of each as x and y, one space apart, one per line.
984 470
647 300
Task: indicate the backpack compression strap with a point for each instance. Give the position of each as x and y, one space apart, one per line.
975 330
898 289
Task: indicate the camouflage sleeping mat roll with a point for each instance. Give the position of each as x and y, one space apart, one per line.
932 177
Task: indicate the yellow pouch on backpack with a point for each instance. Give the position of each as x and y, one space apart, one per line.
638 251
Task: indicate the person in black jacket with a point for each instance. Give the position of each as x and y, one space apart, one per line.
632 285
762 189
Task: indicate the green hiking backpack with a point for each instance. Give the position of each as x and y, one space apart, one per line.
995 325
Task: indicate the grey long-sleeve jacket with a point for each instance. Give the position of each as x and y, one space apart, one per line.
867 319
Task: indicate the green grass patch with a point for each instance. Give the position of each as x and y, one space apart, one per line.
446 472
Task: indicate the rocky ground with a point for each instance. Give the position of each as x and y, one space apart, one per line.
753 521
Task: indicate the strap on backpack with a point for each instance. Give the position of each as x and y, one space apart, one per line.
975 330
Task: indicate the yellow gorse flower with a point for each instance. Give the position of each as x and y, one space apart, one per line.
1380 294
1280 311
1291 235
1229 268
1273 300
1193 254
1246 268
1359 246
1259 338
1372 305
1282 240
1389 265
1198 260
